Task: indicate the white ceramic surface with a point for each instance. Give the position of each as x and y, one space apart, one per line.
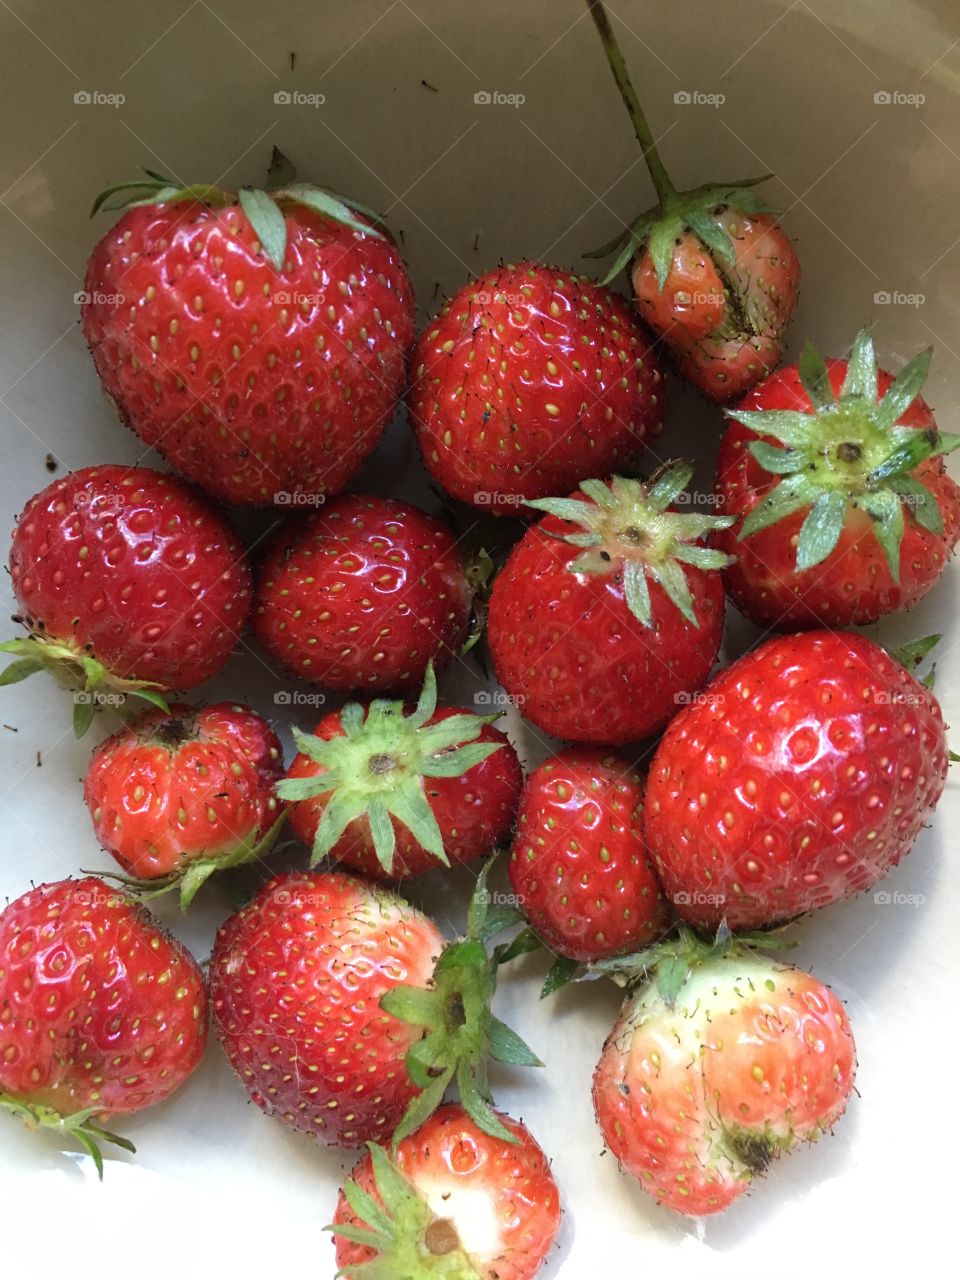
869 187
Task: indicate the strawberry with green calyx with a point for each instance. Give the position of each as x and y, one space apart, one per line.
834 471
391 790
714 275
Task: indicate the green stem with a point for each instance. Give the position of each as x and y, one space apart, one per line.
655 166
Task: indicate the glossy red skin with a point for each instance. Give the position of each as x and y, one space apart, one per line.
723 357
801 775
475 811
137 787
362 595
579 863
481 380
584 667
296 979
280 389
99 1007
449 1157
669 1082
854 584
135 569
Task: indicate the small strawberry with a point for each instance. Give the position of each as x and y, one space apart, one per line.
844 511
609 611
801 775
714 275
128 582
101 1013
389 790
452 1202
257 341
722 1063
529 381
579 865
362 595
175 796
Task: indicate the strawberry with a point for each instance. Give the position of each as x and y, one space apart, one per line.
362 595
128 582
529 381
579 864
801 774
609 611
844 511
175 796
257 341
717 1066
452 1202
101 1012
389 790
714 276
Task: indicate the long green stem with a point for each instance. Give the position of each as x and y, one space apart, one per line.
661 179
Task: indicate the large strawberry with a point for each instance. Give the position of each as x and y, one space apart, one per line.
128 582
801 774
579 864
257 341
714 275
391 790
609 612
101 1012
844 510
451 1202
720 1064
529 381
362 594
177 795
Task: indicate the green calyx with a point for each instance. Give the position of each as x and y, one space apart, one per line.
411 1242
263 208
626 528
80 1126
847 453
92 683
376 769
461 1033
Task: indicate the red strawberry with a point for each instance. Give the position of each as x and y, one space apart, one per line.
127 581
579 864
708 1077
362 595
452 1202
528 381
258 341
802 774
609 611
389 790
844 511
714 276
101 1013
177 795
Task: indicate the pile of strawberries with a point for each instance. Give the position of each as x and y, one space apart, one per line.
261 341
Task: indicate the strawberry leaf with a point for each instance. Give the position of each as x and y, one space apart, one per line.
268 223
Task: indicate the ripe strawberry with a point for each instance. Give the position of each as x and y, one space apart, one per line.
451 1202
388 790
101 1013
710 1075
802 774
175 796
128 583
362 595
714 276
529 381
609 611
844 511
257 341
579 864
